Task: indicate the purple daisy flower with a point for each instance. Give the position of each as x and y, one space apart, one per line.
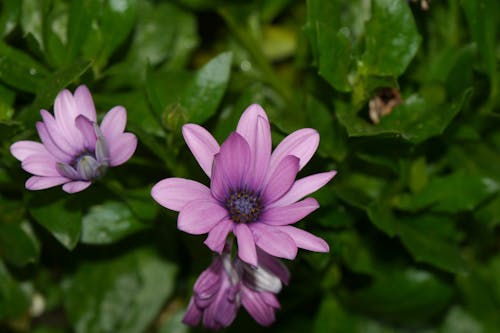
253 192
227 284
75 150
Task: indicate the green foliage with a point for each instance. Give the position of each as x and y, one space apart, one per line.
412 218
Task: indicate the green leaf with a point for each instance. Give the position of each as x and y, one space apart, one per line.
429 238
59 214
482 19
114 24
434 240
414 120
332 317
14 300
31 21
59 80
204 94
127 293
489 214
478 290
46 93
392 39
454 193
402 296
156 41
18 243
459 321
80 19
418 175
334 57
174 324
108 222
9 16
19 70
54 25
333 136
359 189
354 252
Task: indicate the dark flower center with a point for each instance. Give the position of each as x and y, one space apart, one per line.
244 206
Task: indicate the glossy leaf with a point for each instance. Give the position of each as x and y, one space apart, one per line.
60 215
14 301
204 94
20 70
392 39
9 16
403 296
108 222
414 120
18 243
429 238
453 193
484 29
128 292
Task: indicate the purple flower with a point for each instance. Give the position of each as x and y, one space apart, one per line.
227 284
75 150
215 299
253 193
259 286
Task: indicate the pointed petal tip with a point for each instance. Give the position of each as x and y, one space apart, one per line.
247 251
202 144
121 148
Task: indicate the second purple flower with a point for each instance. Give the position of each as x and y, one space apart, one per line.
75 150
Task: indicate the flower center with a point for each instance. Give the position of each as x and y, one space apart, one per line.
244 206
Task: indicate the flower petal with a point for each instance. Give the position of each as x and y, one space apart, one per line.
175 193
202 144
76 186
121 148
261 153
193 314
257 307
289 214
234 160
42 183
41 165
273 241
217 236
66 111
246 244
84 102
208 283
270 299
255 129
306 240
301 143
281 180
247 125
273 265
58 136
23 149
113 123
86 128
303 187
219 185
50 145
200 216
